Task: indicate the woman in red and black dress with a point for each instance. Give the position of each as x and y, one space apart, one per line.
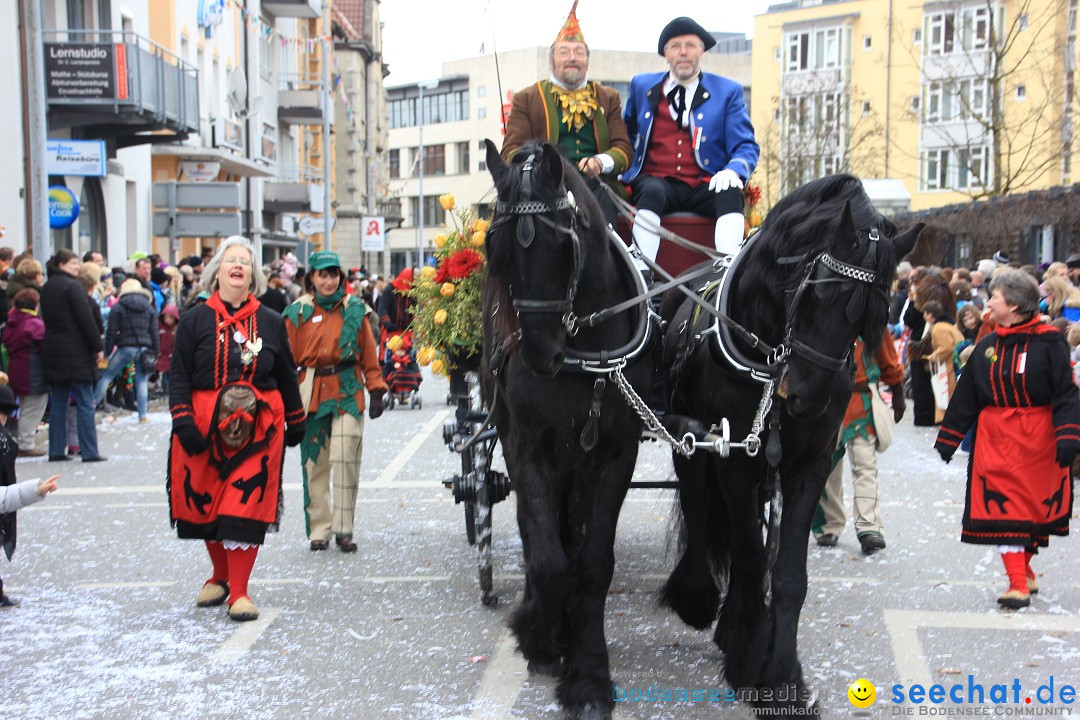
232 391
1018 388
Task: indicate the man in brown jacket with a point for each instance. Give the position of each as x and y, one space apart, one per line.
583 119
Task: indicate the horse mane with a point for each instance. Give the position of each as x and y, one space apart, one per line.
802 224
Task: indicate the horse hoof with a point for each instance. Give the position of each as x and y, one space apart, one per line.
551 668
590 711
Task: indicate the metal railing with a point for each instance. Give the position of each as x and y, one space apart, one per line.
148 79
299 174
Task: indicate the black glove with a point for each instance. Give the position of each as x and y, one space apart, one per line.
189 436
375 404
1065 456
899 404
294 434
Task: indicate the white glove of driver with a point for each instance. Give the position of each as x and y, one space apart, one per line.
725 179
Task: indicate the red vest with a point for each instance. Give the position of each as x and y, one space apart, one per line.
670 153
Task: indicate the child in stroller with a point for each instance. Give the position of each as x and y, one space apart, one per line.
401 371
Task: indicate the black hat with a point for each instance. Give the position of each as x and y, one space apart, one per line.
7 400
159 276
1001 258
684 26
1073 261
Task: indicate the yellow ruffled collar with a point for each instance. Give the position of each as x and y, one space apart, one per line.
577 106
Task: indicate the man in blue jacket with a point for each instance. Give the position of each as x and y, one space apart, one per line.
693 142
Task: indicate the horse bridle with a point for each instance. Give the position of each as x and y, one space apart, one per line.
815 275
526 209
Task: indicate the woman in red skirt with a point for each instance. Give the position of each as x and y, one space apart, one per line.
1017 389
235 406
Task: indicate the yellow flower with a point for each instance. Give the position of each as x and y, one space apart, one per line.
394 343
428 286
438 367
439 241
447 201
440 316
427 272
447 289
481 225
478 238
425 356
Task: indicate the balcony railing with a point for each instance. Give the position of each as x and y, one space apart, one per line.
115 77
297 188
293 8
300 100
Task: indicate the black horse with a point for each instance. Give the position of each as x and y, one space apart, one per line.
570 440
814 278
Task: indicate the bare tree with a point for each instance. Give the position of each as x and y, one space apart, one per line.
996 100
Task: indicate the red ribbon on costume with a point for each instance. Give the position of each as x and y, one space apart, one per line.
238 414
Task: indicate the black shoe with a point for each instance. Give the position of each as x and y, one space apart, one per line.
99 458
8 602
871 543
319 545
345 542
827 540
59 458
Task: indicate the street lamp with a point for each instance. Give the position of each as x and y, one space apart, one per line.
426 84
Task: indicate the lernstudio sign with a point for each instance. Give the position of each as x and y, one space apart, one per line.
86 71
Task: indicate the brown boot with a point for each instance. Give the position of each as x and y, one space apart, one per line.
1032 581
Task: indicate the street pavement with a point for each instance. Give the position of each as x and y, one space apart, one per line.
108 627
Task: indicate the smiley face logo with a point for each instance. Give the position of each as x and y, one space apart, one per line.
862 693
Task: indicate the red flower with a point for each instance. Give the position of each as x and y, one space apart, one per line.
462 264
441 275
752 194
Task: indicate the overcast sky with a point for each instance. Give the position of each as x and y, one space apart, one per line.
419 35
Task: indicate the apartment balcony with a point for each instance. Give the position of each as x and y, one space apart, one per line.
953 134
300 100
391 212
955 66
295 189
293 8
116 84
808 82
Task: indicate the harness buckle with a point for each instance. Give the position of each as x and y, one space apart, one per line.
570 322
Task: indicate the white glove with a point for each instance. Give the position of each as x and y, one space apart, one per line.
725 179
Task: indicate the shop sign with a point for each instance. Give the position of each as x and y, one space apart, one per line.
63 207
85 158
373 234
210 15
199 171
86 71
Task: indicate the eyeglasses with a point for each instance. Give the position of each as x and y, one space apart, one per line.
563 53
679 46
246 262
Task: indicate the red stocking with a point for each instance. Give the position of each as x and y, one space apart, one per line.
217 557
240 564
1015 567
1027 563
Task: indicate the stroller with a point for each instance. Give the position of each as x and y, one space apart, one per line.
401 371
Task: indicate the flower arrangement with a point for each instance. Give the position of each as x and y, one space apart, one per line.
446 315
751 197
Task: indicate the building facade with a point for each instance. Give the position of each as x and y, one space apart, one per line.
959 100
173 123
463 108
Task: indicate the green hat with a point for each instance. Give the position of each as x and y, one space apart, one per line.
324 260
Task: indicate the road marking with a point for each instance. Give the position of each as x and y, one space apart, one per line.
386 579
39 508
279 581
912 665
137 505
111 490
243 639
409 450
124 585
502 680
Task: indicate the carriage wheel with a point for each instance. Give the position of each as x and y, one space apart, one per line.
470 522
390 401
483 545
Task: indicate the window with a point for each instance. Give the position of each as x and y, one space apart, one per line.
913 104
1023 22
438 108
394 160
433 212
776 54
916 36
481 145
483 166
481 113
463 158
940 28
798 50
866 108
481 91
966 29
402 112
866 42
434 159
269 143
971 168
1021 93
827 48
935 169
975 28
